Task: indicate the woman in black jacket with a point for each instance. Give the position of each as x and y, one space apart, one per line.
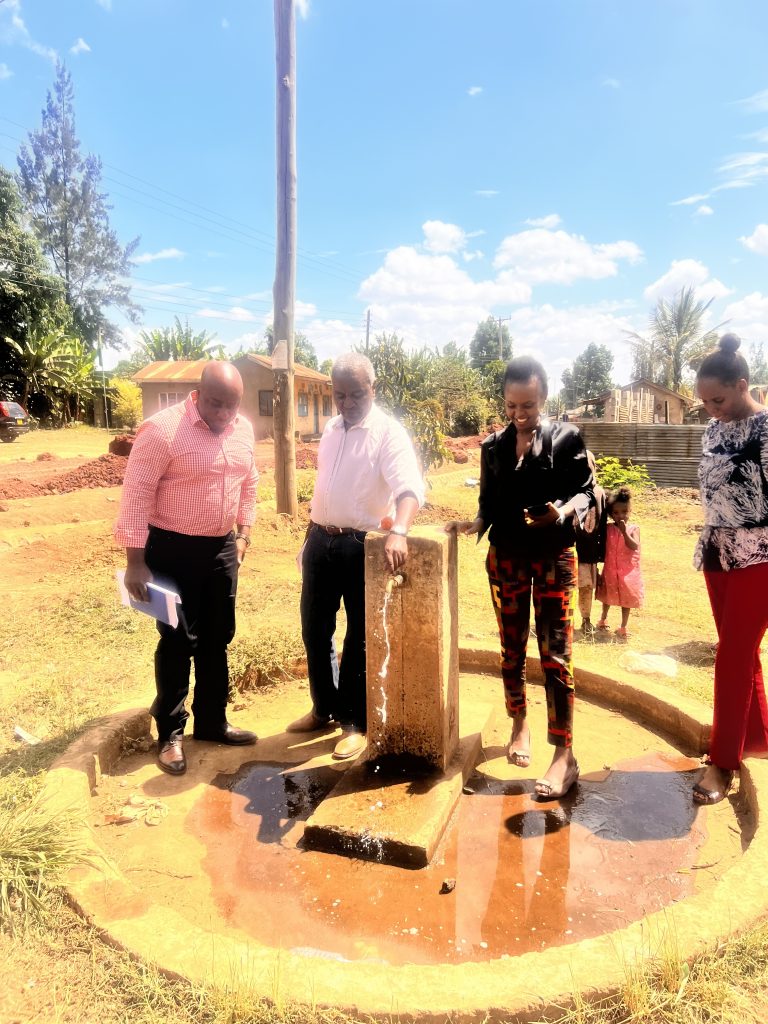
534 477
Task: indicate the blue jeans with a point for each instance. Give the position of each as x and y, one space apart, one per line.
333 569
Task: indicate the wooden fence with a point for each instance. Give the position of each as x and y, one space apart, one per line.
671 453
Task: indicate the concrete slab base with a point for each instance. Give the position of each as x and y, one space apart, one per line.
203 928
377 813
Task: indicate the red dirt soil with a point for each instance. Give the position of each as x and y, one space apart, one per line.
122 444
106 471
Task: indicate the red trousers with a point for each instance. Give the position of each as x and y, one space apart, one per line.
739 600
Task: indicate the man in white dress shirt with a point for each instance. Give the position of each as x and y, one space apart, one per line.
367 472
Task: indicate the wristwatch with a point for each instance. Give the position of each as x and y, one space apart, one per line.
401 531
243 536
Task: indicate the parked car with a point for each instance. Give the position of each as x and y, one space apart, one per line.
13 421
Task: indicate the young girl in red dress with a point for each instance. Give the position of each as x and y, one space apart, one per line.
621 583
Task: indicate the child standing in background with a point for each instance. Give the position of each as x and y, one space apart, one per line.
590 550
621 584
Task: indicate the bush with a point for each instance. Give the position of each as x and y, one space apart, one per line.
422 420
305 484
263 659
613 473
126 404
471 417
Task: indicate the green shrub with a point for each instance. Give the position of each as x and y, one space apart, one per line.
264 659
305 484
471 417
126 404
613 472
423 421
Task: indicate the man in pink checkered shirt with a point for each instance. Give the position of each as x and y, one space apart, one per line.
185 520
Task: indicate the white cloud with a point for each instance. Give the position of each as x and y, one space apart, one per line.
555 335
106 4
611 83
441 237
691 200
237 313
552 220
703 211
759 136
486 193
475 254
163 254
757 103
686 274
5 72
225 23
474 90
79 46
743 169
748 317
332 337
540 256
758 240
302 6
14 32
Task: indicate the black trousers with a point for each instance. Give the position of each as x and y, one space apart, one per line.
332 570
203 571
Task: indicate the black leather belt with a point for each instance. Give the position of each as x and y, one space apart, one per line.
338 531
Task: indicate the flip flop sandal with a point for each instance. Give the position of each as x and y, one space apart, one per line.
544 789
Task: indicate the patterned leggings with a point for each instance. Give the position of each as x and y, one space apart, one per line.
552 580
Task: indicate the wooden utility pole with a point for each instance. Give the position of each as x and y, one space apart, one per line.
284 292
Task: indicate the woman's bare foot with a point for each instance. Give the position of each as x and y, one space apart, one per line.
519 749
713 786
561 775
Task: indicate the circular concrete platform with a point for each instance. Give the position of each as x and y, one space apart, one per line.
208 877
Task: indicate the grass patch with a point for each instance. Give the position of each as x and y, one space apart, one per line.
38 843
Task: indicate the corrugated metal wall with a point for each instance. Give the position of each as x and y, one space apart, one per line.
671 453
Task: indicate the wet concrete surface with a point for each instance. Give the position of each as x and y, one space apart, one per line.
625 843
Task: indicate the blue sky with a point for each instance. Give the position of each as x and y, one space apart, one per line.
561 163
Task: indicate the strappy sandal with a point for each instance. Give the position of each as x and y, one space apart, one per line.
544 789
602 626
706 797
519 758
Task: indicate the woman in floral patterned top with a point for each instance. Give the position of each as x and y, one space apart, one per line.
733 553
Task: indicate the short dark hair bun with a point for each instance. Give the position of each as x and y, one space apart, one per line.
729 343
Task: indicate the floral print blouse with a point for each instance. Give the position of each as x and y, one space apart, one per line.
733 476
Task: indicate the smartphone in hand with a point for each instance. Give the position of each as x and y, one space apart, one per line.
536 511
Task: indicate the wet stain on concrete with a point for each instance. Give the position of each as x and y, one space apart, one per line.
527 874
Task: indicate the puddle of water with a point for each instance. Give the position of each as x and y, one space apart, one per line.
528 875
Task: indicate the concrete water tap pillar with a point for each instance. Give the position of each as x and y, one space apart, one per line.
412 664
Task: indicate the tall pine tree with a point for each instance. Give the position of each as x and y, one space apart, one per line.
69 213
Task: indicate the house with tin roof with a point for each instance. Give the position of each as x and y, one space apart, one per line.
167 382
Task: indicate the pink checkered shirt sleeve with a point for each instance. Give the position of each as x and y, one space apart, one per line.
246 513
147 463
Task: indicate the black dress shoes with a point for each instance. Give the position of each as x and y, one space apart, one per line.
226 733
170 757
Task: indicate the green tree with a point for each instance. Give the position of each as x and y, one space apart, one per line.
326 366
676 340
70 215
590 375
758 366
484 347
458 389
177 342
303 349
29 293
492 387
56 373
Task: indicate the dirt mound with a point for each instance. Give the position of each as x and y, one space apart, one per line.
122 444
46 457
106 471
306 456
459 446
15 488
